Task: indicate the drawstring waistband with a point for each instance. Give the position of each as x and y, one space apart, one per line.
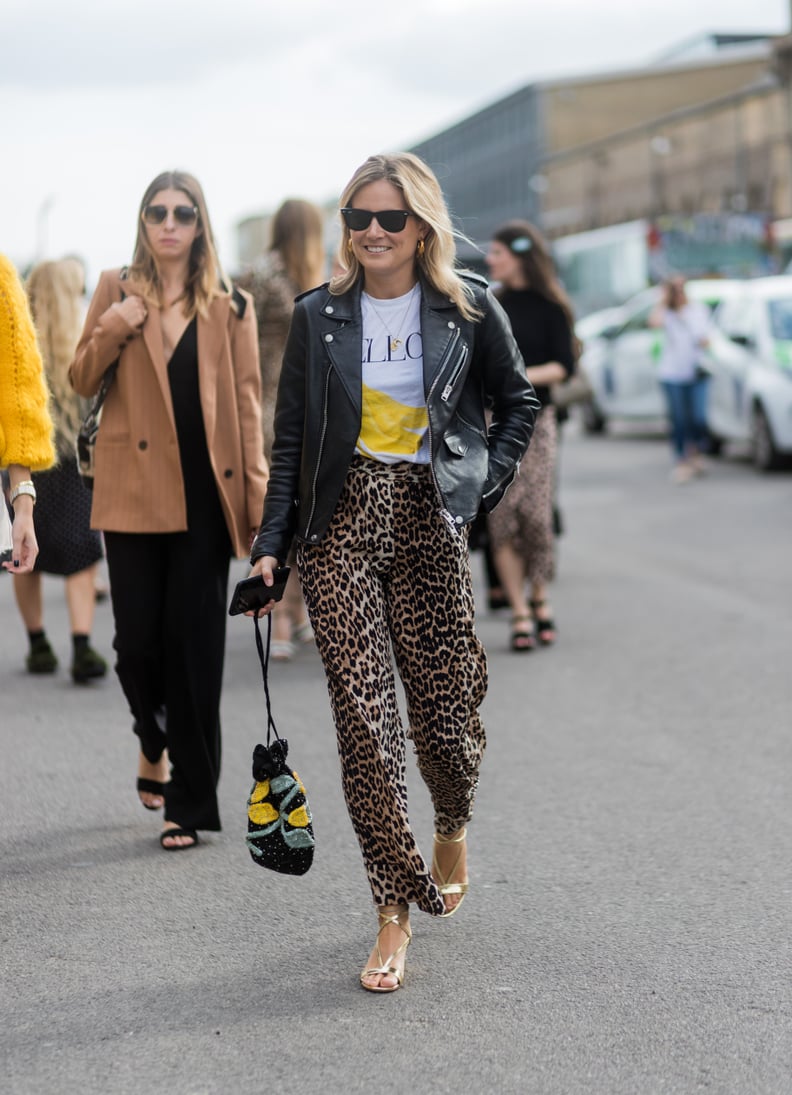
402 468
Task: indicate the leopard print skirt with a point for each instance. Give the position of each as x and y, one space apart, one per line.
524 519
390 582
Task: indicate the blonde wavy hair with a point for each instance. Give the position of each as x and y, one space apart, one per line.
297 234
205 279
55 291
423 197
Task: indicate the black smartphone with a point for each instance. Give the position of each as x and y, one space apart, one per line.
251 593
6 535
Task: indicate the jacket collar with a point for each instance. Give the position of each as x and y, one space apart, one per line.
341 328
211 331
346 306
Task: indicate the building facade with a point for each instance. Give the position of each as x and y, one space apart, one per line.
705 125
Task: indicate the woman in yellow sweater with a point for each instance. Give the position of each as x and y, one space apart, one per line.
68 546
25 423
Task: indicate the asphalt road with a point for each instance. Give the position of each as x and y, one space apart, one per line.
628 926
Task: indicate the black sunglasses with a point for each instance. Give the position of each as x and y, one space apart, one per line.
389 220
182 214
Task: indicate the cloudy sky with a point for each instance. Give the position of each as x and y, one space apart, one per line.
265 100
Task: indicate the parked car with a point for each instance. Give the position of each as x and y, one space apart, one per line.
621 360
750 393
593 331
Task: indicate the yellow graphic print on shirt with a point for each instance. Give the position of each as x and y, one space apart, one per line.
390 427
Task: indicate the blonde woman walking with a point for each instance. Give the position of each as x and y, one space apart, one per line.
381 460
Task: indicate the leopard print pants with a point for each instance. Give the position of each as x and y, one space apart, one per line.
391 580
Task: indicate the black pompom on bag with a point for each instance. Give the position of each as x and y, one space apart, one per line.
280 828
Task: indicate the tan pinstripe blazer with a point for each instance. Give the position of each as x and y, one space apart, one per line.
138 485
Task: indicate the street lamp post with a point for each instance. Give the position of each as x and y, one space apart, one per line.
659 150
42 227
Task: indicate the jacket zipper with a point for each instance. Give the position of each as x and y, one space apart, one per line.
444 513
497 485
449 520
446 392
444 361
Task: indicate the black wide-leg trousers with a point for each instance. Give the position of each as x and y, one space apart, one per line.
169 602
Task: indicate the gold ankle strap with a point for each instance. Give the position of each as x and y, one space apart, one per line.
388 914
440 839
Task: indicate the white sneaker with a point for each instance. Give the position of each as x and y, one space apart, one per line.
682 474
281 650
303 632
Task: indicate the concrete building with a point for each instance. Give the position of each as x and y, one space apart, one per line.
608 164
591 151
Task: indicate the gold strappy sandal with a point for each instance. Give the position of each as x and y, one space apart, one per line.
387 965
443 884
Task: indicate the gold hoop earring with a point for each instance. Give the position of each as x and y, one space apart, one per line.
421 248
349 246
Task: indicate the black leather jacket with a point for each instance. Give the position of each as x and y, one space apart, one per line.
468 366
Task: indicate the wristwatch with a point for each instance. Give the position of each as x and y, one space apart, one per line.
25 487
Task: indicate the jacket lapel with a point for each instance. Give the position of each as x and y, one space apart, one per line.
341 331
152 338
211 340
439 320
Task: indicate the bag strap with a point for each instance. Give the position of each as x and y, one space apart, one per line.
239 302
104 387
110 371
264 657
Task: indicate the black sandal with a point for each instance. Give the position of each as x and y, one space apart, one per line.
496 599
522 640
168 833
545 629
150 787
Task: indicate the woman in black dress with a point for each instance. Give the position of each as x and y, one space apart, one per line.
521 528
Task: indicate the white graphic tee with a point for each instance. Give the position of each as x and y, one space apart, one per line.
395 423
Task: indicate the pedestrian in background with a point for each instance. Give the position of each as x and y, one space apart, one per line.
68 547
685 325
521 531
294 263
25 423
179 485
381 459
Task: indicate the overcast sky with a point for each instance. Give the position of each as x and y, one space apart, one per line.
264 100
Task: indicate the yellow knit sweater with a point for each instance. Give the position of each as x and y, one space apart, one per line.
25 423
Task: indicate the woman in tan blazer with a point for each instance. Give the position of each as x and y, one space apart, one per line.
179 485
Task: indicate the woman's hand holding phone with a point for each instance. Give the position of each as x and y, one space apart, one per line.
264 568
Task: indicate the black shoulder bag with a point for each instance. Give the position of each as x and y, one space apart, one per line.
280 828
89 429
